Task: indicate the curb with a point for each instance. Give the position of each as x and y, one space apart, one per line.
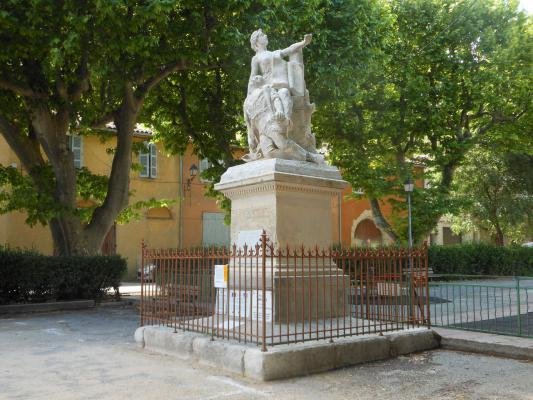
46 307
124 303
283 361
485 343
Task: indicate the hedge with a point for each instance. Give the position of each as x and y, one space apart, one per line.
26 276
481 259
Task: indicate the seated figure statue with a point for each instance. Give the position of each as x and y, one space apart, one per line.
269 109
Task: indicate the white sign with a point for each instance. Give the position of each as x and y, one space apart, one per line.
244 304
251 238
221 276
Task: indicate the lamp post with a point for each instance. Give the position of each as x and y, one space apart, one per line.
193 171
408 187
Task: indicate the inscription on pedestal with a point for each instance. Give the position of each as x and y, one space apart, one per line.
244 304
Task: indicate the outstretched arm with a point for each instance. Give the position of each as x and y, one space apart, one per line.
297 46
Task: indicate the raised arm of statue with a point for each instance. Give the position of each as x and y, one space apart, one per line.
293 48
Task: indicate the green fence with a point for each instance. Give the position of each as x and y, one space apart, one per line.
503 306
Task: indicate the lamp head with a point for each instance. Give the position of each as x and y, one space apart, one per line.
409 185
193 171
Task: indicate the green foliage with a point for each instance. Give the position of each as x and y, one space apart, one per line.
204 107
17 193
445 75
72 67
30 277
93 187
497 192
481 259
135 210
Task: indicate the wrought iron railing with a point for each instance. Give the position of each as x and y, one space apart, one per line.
270 296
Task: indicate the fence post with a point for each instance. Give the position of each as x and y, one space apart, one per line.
141 305
263 288
518 306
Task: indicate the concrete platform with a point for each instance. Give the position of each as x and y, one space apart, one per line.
283 361
486 343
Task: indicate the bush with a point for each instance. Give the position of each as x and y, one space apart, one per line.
26 276
481 259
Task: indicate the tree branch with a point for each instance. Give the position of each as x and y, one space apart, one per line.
165 71
82 85
21 90
26 149
104 119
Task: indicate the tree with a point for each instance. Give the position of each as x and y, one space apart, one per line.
205 107
179 66
70 67
497 191
448 74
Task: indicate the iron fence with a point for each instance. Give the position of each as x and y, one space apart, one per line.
268 296
503 306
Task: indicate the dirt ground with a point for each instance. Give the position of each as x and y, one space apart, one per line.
92 355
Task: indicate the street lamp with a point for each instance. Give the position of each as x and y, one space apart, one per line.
193 171
409 187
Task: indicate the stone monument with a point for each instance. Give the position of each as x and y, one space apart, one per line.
285 187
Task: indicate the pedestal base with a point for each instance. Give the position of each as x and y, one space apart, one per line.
292 293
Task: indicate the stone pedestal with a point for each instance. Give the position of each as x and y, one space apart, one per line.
291 201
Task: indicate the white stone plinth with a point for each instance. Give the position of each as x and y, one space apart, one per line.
290 200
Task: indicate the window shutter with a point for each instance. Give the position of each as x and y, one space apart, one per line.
153 161
76 146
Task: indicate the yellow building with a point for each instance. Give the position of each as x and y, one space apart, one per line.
193 220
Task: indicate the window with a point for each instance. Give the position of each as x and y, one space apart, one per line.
75 144
148 161
204 164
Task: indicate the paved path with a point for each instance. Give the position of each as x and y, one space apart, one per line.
91 355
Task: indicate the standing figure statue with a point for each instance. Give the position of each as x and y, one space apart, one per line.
277 110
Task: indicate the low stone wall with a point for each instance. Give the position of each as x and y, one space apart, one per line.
283 361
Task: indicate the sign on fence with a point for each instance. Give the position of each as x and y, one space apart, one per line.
221 276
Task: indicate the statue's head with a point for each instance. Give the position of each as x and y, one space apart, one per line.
258 37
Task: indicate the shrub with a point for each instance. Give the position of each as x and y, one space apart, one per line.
481 259
27 276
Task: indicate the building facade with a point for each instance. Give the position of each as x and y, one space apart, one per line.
192 220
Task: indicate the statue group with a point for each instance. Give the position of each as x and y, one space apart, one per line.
277 110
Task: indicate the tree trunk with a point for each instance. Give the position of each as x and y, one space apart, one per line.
119 180
380 220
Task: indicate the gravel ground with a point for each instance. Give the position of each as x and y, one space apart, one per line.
91 355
